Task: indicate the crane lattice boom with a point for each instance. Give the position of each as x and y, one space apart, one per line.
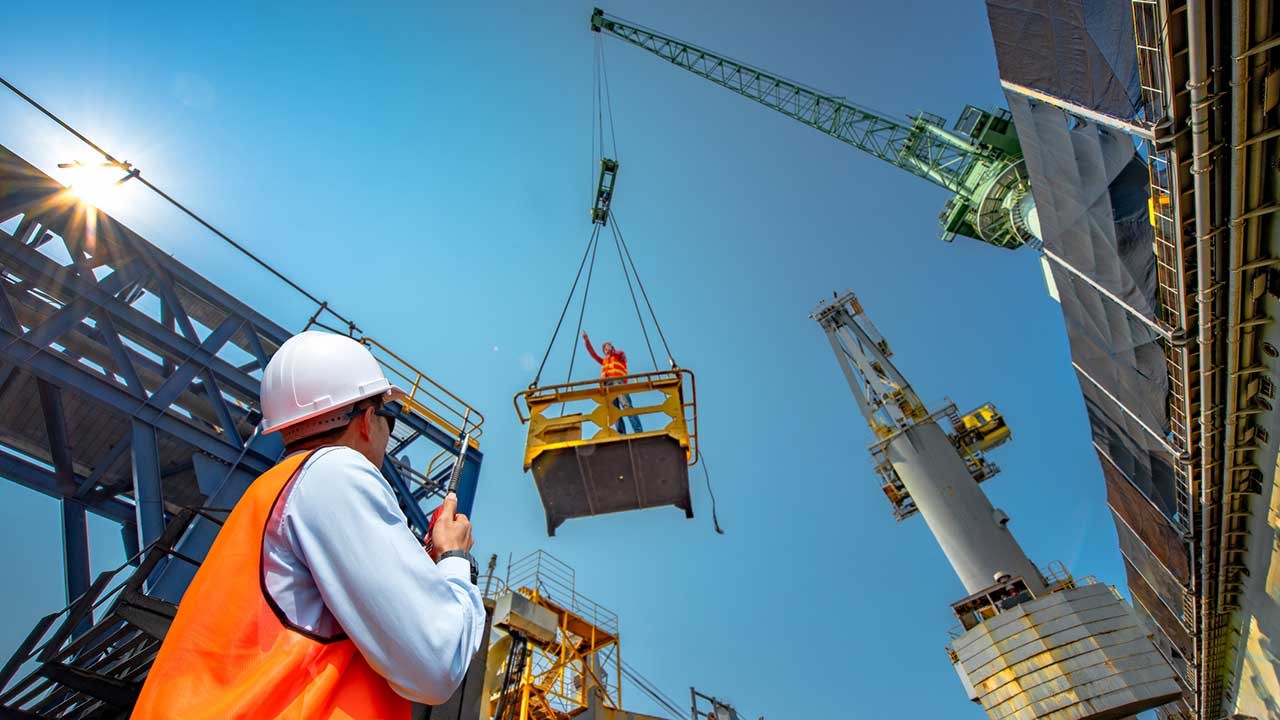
979 160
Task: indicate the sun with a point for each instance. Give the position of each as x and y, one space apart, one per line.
95 184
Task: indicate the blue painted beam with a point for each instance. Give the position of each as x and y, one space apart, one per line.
123 363
75 531
129 321
146 483
33 476
413 511
67 375
129 538
75 555
102 465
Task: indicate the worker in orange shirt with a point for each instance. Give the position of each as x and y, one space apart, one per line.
613 368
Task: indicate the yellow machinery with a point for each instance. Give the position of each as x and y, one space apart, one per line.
583 466
559 655
982 429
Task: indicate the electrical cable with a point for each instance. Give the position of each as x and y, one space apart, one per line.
135 173
706 474
645 295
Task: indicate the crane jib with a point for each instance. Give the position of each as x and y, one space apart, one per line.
979 160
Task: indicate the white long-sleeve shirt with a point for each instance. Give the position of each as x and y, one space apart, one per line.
339 558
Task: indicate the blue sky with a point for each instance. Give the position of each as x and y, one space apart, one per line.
425 168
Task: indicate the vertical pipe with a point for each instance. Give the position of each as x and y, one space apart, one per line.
1197 84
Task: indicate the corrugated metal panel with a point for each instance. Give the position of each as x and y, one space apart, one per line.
1144 520
1159 611
1079 653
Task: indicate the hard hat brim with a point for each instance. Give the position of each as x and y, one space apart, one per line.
390 393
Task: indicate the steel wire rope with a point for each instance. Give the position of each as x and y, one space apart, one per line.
135 173
650 689
582 309
634 302
567 301
706 475
636 677
604 73
595 96
598 101
643 294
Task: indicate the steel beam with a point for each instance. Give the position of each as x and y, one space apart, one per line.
67 375
75 555
45 482
146 483
75 532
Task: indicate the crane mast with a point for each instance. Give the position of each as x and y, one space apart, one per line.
1030 645
978 161
924 468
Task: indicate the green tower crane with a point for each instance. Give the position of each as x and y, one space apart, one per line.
978 159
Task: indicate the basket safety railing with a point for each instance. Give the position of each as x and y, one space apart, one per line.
678 406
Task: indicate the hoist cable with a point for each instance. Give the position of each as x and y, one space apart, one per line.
591 176
613 216
599 101
137 174
634 301
567 301
586 292
604 73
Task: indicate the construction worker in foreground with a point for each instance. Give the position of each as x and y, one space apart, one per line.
316 600
613 368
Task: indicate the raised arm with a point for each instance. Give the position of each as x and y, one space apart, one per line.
592 351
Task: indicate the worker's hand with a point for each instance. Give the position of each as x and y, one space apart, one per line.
584 336
451 531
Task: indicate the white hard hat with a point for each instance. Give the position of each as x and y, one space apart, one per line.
315 373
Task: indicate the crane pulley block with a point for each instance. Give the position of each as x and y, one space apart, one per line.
604 191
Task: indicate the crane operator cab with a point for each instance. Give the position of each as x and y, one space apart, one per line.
583 466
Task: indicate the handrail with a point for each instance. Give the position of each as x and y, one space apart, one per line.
462 418
638 382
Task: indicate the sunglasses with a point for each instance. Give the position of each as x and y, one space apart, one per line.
381 411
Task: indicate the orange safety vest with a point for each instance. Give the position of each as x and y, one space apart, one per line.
614 365
230 652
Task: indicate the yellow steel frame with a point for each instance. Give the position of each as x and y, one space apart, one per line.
549 431
427 397
547 689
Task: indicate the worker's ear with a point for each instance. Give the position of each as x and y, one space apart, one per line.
365 424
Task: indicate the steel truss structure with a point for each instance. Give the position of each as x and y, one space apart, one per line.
129 386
